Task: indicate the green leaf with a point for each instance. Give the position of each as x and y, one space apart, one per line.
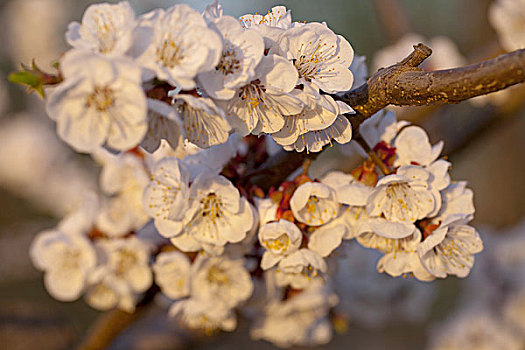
28 79
25 78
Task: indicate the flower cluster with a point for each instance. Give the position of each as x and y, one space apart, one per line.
181 110
411 211
178 75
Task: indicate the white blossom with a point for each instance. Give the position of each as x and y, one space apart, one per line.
314 203
65 253
457 200
327 238
267 209
124 178
241 53
106 291
217 215
450 248
204 315
100 101
172 274
105 28
182 46
279 238
213 159
66 259
221 279
271 25
340 131
321 57
163 123
204 123
400 255
382 126
403 198
318 117
166 197
260 106
301 269
128 260
300 320
360 71
412 146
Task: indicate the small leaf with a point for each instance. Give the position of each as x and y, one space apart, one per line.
25 78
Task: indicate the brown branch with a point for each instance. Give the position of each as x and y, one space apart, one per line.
404 84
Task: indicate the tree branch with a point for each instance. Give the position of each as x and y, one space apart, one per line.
404 84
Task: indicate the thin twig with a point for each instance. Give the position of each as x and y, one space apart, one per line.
306 165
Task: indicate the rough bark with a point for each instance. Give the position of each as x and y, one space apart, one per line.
404 84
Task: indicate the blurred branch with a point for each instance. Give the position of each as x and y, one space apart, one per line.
110 324
404 84
393 18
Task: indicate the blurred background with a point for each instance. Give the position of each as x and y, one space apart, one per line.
40 177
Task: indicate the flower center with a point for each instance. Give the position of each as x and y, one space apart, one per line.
102 98
211 206
278 244
400 193
125 259
169 53
310 58
71 259
311 205
229 62
309 272
216 275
